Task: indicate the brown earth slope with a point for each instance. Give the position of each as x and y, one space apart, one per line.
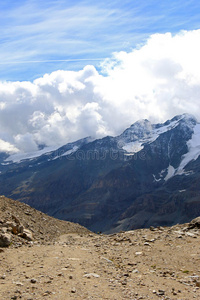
65 261
43 227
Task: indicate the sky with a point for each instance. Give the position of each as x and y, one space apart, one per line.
71 69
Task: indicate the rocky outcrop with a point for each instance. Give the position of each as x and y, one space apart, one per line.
195 223
10 228
21 224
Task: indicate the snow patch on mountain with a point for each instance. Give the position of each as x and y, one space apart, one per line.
170 172
53 152
5 164
133 147
193 149
155 179
74 149
18 157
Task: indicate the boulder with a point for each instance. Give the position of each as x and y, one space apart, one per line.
27 235
5 239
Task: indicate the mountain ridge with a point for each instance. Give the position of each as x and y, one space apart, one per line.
100 183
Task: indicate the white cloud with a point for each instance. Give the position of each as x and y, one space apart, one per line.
7 147
156 81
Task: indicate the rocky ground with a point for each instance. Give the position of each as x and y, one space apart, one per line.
44 258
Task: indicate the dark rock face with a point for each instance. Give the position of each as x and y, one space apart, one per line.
112 184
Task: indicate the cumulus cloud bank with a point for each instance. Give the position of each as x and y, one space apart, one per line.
156 81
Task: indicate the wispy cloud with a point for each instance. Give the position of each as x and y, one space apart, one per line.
67 30
51 60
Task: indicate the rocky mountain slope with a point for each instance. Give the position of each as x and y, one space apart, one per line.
17 218
148 175
154 263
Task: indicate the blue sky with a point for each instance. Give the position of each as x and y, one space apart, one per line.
38 38
71 69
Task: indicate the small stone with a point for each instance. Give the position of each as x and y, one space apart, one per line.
47 293
135 271
152 228
132 264
49 281
146 244
20 229
151 240
161 228
154 291
14 230
198 283
138 253
70 277
89 275
19 283
161 292
73 290
33 280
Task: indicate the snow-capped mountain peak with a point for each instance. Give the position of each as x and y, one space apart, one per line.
177 142
134 138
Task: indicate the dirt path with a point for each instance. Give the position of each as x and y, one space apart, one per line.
140 264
